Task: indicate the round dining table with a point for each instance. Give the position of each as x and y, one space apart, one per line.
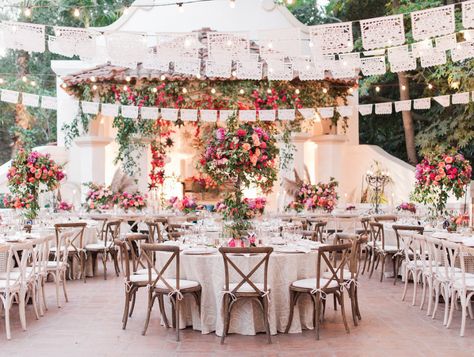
246 319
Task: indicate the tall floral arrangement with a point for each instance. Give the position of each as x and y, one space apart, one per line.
320 196
30 174
244 155
438 175
98 197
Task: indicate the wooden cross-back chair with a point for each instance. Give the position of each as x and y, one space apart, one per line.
159 285
133 282
399 256
380 248
58 266
245 288
325 283
137 258
367 248
385 218
76 245
106 246
154 231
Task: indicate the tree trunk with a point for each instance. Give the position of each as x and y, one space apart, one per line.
21 115
407 120
408 126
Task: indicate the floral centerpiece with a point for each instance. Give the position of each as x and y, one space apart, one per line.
242 154
437 176
320 196
186 205
99 197
407 207
65 206
30 174
126 201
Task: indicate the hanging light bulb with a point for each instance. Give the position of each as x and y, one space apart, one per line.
154 90
232 4
430 86
325 90
33 83
125 88
27 12
269 91
351 90
94 87
93 79
128 79
180 7
241 91
213 91
77 12
185 91
198 76
24 79
377 89
297 91
162 77
404 87
233 73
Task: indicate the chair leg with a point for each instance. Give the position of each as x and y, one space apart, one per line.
83 259
340 296
356 295
64 287
104 264
463 315
7 305
293 300
423 291
224 313
56 276
43 281
430 295
451 310
395 269
317 296
405 288
116 265
177 304
335 302
22 309
372 264
435 308
34 298
161 305
151 299
134 296
265 317
351 292
126 307
415 286
383 267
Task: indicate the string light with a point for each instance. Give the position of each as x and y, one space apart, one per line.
162 77
1 81
297 91
404 87
269 91
77 12
241 91
27 12
185 91
64 85
93 79
430 86
24 79
128 79
94 87
180 7
232 4
311 44
455 85
325 90
33 83
125 88
289 2
213 91
198 76
154 90
351 90
377 89
234 74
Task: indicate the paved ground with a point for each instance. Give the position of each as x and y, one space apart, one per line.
90 324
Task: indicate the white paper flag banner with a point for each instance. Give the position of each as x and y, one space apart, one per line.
23 36
189 114
191 66
373 66
218 68
267 115
280 42
403 106
227 46
312 73
444 100
433 22
73 41
247 115
109 110
30 100
345 110
399 53
49 103
339 71
249 70
460 98
350 59
10 96
463 51
177 45
153 61
420 48
90 107
208 115
279 71
126 48
308 113
408 64
382 32
468 14
433 58
383 108
130 111
446 42
149 113
286 114
332 38
366 109
224 115
422 104
169 114
326 112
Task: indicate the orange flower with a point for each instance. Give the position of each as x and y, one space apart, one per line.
246 146
448 159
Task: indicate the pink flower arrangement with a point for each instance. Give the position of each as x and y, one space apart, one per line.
441 174
407 206
187 204
256 206
65 206
17 202
323 196
99 197
128 201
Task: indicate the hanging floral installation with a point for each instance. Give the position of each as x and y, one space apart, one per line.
184 92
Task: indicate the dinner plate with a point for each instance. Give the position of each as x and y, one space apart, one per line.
199 251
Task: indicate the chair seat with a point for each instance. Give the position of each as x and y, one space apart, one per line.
70 249
183 284
388 248
100 245
143 271
14 284
346 275
311 283
54 265
458 284
247 288
140 278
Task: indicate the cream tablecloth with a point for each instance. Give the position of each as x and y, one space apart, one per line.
246 317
